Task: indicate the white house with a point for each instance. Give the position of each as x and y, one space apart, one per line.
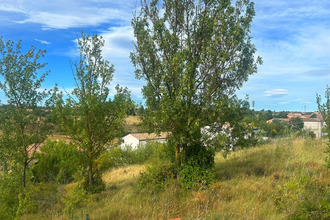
136 140
314 124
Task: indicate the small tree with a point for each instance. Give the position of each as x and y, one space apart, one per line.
296 124
193 55
89 117
23 130
325 111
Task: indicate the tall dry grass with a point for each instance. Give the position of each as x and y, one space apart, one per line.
274 181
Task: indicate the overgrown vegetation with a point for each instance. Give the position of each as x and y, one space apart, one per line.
283 179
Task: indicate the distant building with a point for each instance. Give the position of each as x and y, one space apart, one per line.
136 140
314 124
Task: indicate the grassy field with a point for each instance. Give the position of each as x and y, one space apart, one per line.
280 180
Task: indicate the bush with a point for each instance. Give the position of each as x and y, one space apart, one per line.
198 172
39 197
10 187
156 177
303 198
74 199
305 134
153 151
57 162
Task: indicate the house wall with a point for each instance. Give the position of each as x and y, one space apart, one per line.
316 127
129 140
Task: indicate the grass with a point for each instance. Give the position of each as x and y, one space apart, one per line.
132 124
280 180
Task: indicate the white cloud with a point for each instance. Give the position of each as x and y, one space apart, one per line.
63 14
283 103
276 92
43 41
118 42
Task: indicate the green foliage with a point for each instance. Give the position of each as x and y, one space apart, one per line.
282 114
89 116
193 55
303 198
305 134
327 159
39 197
325 111
10 188
296 124
160 160
22 129
314 116
198 172
57 162
74 199
152 152
156 177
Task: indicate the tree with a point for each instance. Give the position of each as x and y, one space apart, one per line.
325 111
193 56
23 131
325 108
89 116
296 124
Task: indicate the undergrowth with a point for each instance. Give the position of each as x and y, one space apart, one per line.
286 179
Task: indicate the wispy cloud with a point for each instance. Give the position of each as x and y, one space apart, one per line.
283 103
69 14
276 93
43 41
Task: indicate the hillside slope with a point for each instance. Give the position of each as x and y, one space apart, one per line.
284 179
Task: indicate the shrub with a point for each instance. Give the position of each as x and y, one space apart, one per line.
305 134
153 151
74 199
156 177
38 197
198 172
10 187
303 198
57 162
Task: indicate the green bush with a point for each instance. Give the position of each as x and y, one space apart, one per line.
10 188
303 198
153 151
38 197
115 157
57 162
198 172
98 183
156 177
74 199
305 134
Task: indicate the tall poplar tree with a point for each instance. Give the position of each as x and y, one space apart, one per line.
89 116
193 55
22 129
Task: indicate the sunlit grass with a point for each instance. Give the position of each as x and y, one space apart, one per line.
268 182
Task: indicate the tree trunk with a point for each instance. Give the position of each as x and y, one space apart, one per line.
90 173
178 161
24 174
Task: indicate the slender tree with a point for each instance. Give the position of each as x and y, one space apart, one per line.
192 55
88 116
23 131
325 111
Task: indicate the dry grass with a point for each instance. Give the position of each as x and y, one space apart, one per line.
247 188
132 124
122 176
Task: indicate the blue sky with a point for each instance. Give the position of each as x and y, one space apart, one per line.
292 37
